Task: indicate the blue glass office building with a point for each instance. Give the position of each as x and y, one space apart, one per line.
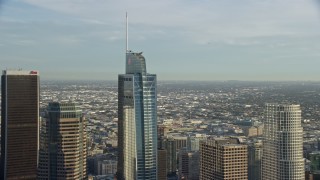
137 123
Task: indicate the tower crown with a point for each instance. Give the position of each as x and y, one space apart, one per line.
135 63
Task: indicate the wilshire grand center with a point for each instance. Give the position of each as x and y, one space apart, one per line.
137 121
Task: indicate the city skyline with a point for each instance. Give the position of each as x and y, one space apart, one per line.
217 112
211 40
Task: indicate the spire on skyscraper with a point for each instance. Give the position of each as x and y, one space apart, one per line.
137 123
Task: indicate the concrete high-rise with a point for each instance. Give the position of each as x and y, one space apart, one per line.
282 157
223 159
137 120
63 143
19 124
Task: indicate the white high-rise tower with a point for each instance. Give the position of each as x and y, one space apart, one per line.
282 157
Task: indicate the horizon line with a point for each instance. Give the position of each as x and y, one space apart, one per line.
166 80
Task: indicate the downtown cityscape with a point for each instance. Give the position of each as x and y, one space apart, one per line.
189 112
201 102
189 115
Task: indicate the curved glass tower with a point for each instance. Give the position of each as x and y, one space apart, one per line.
282 157
137 121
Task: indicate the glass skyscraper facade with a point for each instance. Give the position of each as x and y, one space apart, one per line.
137 123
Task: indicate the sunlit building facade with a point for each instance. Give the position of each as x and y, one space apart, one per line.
63 143
137 121
282 157
223 159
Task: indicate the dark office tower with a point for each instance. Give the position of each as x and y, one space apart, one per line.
188 164
137 120
162 164
282 156
170 147
254 160
19 124
63 143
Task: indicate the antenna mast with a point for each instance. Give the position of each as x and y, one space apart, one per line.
126 32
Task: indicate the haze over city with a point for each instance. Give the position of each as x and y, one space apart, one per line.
181 39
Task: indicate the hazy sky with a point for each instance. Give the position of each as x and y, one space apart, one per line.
181 39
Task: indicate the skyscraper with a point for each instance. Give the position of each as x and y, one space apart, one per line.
137 120
162 164
171 148
188 164
282 156
315 162
223 159
254 160
193 142
19 124
63 143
